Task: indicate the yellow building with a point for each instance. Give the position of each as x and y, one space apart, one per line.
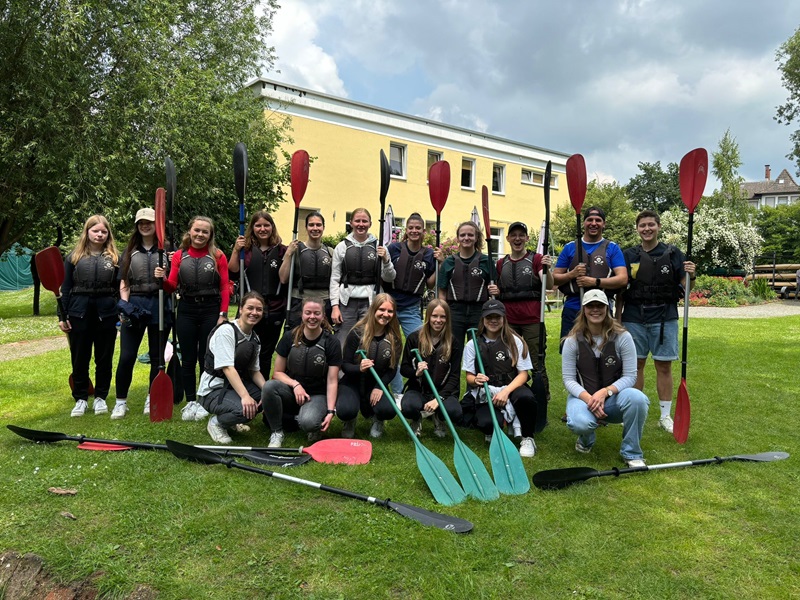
344 139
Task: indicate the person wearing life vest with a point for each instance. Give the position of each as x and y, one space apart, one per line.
656 276
231 386
441 358
597 264
598 366
312 269
506 360
305 384
519 277
359 265
263 257
378 334
138 294
89 294
465 279
199 272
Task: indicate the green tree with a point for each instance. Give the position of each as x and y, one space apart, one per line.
780 228
788 58
653 188
725 163
95 94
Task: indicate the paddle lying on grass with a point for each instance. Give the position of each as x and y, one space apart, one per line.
475 479
555 479
299 182
693 173
420 515
509 472
576 185
333 451
161 393
444 487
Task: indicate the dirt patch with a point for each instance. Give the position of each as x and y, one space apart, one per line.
25 578
25 349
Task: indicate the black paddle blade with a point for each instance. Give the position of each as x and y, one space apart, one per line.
556 479
429 518
385 177
275 460
38 436
240 170
171 180
196 454
763 457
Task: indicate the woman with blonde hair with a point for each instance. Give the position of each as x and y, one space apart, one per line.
377 334
89 295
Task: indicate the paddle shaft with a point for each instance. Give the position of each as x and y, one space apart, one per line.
291 265
686 290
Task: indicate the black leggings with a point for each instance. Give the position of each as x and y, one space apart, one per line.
129 342
269 330
194 324
532 412
88 333
413 403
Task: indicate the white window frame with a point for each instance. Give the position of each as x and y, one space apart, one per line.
537 178
403 149
499 237
471 185
501 183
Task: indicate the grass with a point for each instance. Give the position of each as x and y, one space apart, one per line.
16 306
192 531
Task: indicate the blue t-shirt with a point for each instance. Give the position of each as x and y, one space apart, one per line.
614 258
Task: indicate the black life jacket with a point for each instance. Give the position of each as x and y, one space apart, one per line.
361 263
410 271
94 275
308 363
141 281
245 353
313 267
655 282
518 281
380 352
596 267
262 269
595 372
467 283
198 276
497 362
438 368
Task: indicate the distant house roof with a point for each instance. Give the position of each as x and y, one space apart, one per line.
783 184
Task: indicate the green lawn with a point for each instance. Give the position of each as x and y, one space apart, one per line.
194 531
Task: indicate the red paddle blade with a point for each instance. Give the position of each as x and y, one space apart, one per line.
340 451
161 401
693 174
102 447
680 429
299 176
50 266
439 184
161 215
576 181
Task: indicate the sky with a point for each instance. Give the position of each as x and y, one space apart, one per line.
619 81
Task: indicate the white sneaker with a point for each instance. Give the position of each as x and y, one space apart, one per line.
80 408
188 411
581 448
635 463
217 431
666 423
439 426
147 405
275 440
527 447
416 427
200 413
241 428
349 429
376 430
99 406
120 410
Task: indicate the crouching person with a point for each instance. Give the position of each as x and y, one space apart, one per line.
231 384
305 381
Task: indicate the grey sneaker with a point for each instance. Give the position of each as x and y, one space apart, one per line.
376 430
217 431
80 408
147 405
581 448
439 426
120 410
99 406
275 439
635 463
416 427
349 429
666 423
527 447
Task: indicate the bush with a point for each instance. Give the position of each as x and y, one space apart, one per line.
726 292
760 288
333 239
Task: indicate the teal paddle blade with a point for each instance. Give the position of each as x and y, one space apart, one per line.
444 487
475 479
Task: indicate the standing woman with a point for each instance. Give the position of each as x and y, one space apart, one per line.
305 384
378 334
138 294
263 255
441 357
199 272
465 279
598 365
507 362
89 295
312 269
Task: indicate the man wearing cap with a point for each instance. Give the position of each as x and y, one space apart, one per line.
656 275
597 264
520 283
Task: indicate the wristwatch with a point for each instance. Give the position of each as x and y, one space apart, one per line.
331 412
609 392
597 282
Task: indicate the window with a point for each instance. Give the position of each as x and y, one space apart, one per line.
468 173
498 178
397 160
769 201
433 157
783 200
497 242
430 226
531 177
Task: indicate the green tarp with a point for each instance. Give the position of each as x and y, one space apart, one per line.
15 269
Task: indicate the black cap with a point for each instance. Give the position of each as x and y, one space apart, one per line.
518 225
594 210
493 307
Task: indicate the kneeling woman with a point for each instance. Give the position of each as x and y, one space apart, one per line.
231 384
378 334
306 379
598 365
507 362
441 357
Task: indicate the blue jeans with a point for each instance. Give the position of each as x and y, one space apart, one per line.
410 321
629 407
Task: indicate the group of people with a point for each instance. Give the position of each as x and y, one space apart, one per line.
352 327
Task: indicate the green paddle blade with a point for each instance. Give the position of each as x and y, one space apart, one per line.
475 479
444 487
507 468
